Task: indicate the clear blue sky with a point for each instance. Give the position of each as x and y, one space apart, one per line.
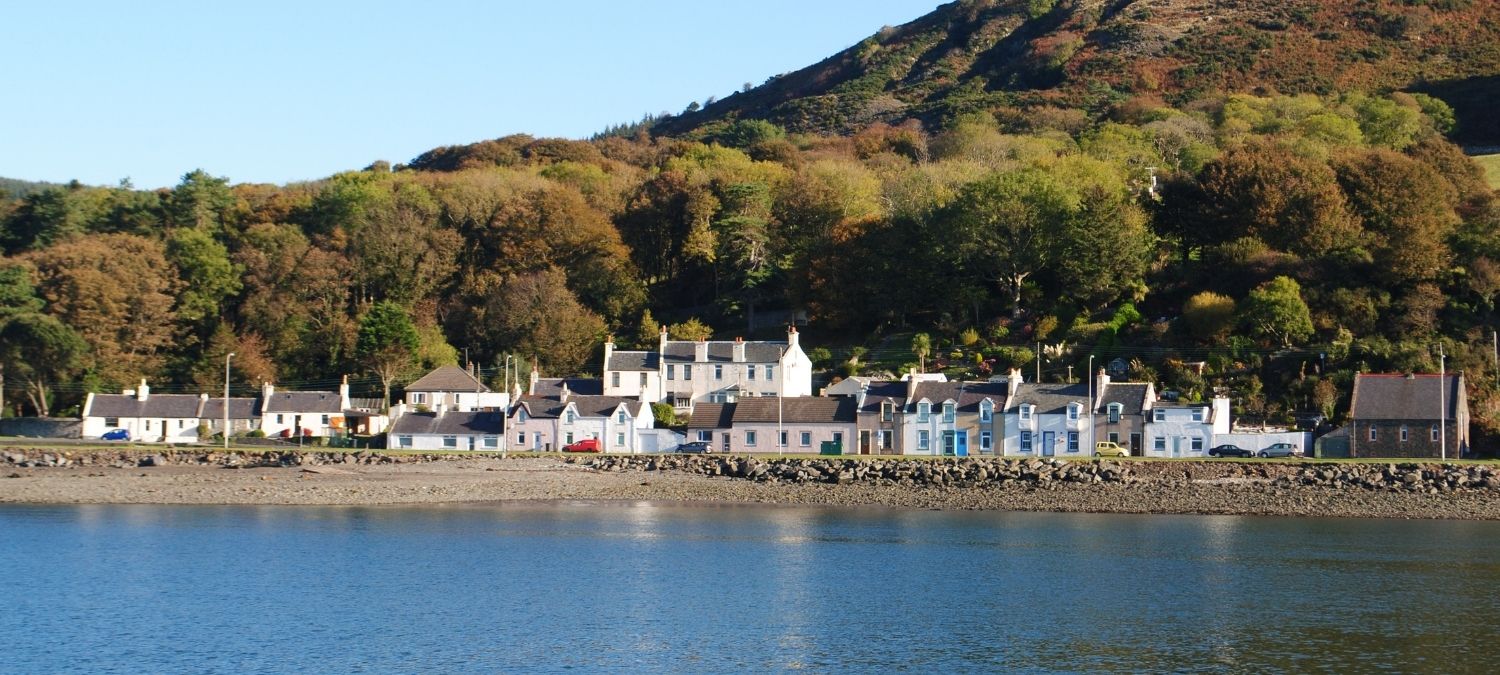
281 91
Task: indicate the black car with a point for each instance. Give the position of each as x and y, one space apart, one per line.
695 447
1229 451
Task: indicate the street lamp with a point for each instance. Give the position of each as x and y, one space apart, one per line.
227 357
1089 375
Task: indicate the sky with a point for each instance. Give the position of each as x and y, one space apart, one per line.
277 92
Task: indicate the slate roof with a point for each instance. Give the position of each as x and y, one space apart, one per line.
967 395
712 416
634 361
579 386
239 409
304 402
1130 395
552 407
447 378
880 391
1049 399
723 351
1403 397
796 410
450 424
185 406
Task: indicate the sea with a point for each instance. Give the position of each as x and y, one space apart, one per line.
647 587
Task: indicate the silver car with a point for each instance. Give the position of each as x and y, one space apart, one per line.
1280 450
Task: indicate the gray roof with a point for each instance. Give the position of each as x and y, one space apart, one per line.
880 391
712 416
448 378
634 361
450 424
1049 398
798 410
1403 397
239 409
723 352
1130 395
304 402
186 406
967 395
588 406
576 385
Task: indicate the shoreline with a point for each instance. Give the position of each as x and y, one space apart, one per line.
1307 489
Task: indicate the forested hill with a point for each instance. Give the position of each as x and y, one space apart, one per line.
15 189
982 55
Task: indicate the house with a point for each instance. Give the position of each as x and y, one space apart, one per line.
1120 412
366 417
244 414
558 416
881 406
803 425
1186 429
445 430
1046 420
150 418
685 373
952 418
289 414
452 388
1416 415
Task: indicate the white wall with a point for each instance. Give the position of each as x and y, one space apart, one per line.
1179 432
145 430
435 442
1058 424
1257 442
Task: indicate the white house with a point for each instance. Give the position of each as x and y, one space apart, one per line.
451 388
770 425
1046 420
308 413
480 431
952 418
165 418
1185 429
556 415
687 372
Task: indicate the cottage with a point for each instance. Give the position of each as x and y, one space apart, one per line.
1417 416
684 373
803 425
1046 420
879 413
1186 429
952 418
150 418
558 416
1120 412
289 414
444 430
244 413
452 388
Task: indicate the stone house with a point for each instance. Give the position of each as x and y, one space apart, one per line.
1394 415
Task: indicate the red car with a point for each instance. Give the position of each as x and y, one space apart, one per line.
585 445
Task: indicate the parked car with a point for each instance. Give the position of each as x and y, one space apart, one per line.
585 445
1110 449
695 447
116 435
1281 450
1229 450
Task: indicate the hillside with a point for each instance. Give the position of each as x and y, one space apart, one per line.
1092 54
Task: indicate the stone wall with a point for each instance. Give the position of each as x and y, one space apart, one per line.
41 427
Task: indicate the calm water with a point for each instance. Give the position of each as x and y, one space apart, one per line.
589 587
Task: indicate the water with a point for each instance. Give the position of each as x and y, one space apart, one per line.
641 587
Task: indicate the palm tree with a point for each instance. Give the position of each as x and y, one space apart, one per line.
921 345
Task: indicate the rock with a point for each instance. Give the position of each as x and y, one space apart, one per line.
152 460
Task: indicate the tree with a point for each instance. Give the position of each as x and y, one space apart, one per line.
692 329
536 314
387 344
1006 222
1104 248
665 414
40 350
1407 211
921 345
201 202
1209 316
17 296
250 366
1276 311
207 274
647 332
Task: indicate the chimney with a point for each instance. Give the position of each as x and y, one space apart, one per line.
1014 380
266 391
791 337
144 392
609 350
911 385
344 393
566 392
1101 383
661 346
739 350
864 391
700 351
536 374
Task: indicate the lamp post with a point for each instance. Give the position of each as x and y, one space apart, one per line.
1442 403
1089 375
227 357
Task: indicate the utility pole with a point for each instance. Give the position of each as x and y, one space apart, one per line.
1039 362
1442 402
227 357
1089 375
1070 373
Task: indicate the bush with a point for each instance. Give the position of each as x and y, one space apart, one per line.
1209 316
968 337
255 433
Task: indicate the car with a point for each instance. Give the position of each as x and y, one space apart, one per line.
695 447
116 435
1229 450
585 445
1110 449
1281 450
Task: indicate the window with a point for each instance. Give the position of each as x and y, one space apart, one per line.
1159 415
643 380
1073 410
950 443
278 421
1072 441
705 435
403 441
984 440
568 439
750 438
1404 434
687 372
923 442
1434 432
1159 443
1197 414
325 420
620 417
718 372
1026 441
521 440
182 424
620 440
522 415
986 410
1197 444
749 372
924 411
570 418
111 421
886 410
614 380
883 439
770 373
1372 434
781 438
1025 412
491 442
948 413
671 371
806 438
148 425
450 441
419 398
1114 437
1114 412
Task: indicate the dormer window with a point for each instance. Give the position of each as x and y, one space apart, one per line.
986 410
1025 412
948 413
570 417
521 416
924 411
1073 411
620 417
1197 414
1159 415
886 411
1115 410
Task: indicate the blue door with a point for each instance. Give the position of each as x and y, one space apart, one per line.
1049 443
962 448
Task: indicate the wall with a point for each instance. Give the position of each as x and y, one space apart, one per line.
1257 442
40 427
435 442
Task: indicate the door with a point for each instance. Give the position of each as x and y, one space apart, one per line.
961 439
725 442
838 439
1135 445
1049 439
864 441
471 443
1176 446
